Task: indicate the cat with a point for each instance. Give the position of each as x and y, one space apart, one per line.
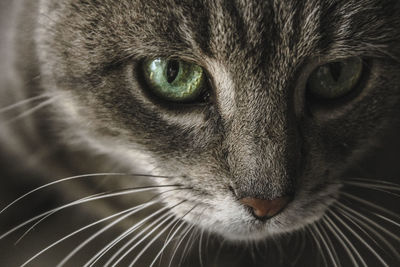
243 118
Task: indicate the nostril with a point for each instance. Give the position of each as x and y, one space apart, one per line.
264 208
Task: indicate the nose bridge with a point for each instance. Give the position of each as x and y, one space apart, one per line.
262 146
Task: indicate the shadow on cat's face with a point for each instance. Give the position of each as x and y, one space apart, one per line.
257 134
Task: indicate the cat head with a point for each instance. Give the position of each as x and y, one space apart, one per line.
280 97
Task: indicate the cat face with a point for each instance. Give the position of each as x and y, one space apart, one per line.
256 131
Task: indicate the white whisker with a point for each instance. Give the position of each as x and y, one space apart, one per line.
190 241
200 247
377 183
218 255
386 219
141 240
368 203
353 219
316 240
360 239
30 111
328 239
327 247
81 230
23 102
168 241
70 179
132 240
380 188
82 201
77 202
155 222
122 236
151 242
341 237
302 237
104 229
207 243
190 238
368 220
182 237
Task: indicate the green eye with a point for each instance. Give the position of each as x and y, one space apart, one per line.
174 80
335 79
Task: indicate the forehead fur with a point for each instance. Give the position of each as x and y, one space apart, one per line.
226 29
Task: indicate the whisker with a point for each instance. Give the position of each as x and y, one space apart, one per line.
170 233
151 242
74 178
190 238
302 236
386 219
122 236
200 247
354 219
330 244
221 246
128 211
380 188
368 220
86 200
388 185
102 252
316 240
253 254
131 230
23 102
340 236
351 218
207 247
326 245
360 239
81 201
101 231
30 111
182 237
368 203
169 239
143 239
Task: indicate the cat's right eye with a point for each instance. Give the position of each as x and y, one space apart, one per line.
174 80
335 79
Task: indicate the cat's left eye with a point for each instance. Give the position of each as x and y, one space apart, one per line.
335 79
174 80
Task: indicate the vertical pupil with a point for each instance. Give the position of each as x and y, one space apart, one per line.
172 70
336 70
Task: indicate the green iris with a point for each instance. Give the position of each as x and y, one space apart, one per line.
335 79
174 80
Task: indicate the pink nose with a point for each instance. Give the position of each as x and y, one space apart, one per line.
264 208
